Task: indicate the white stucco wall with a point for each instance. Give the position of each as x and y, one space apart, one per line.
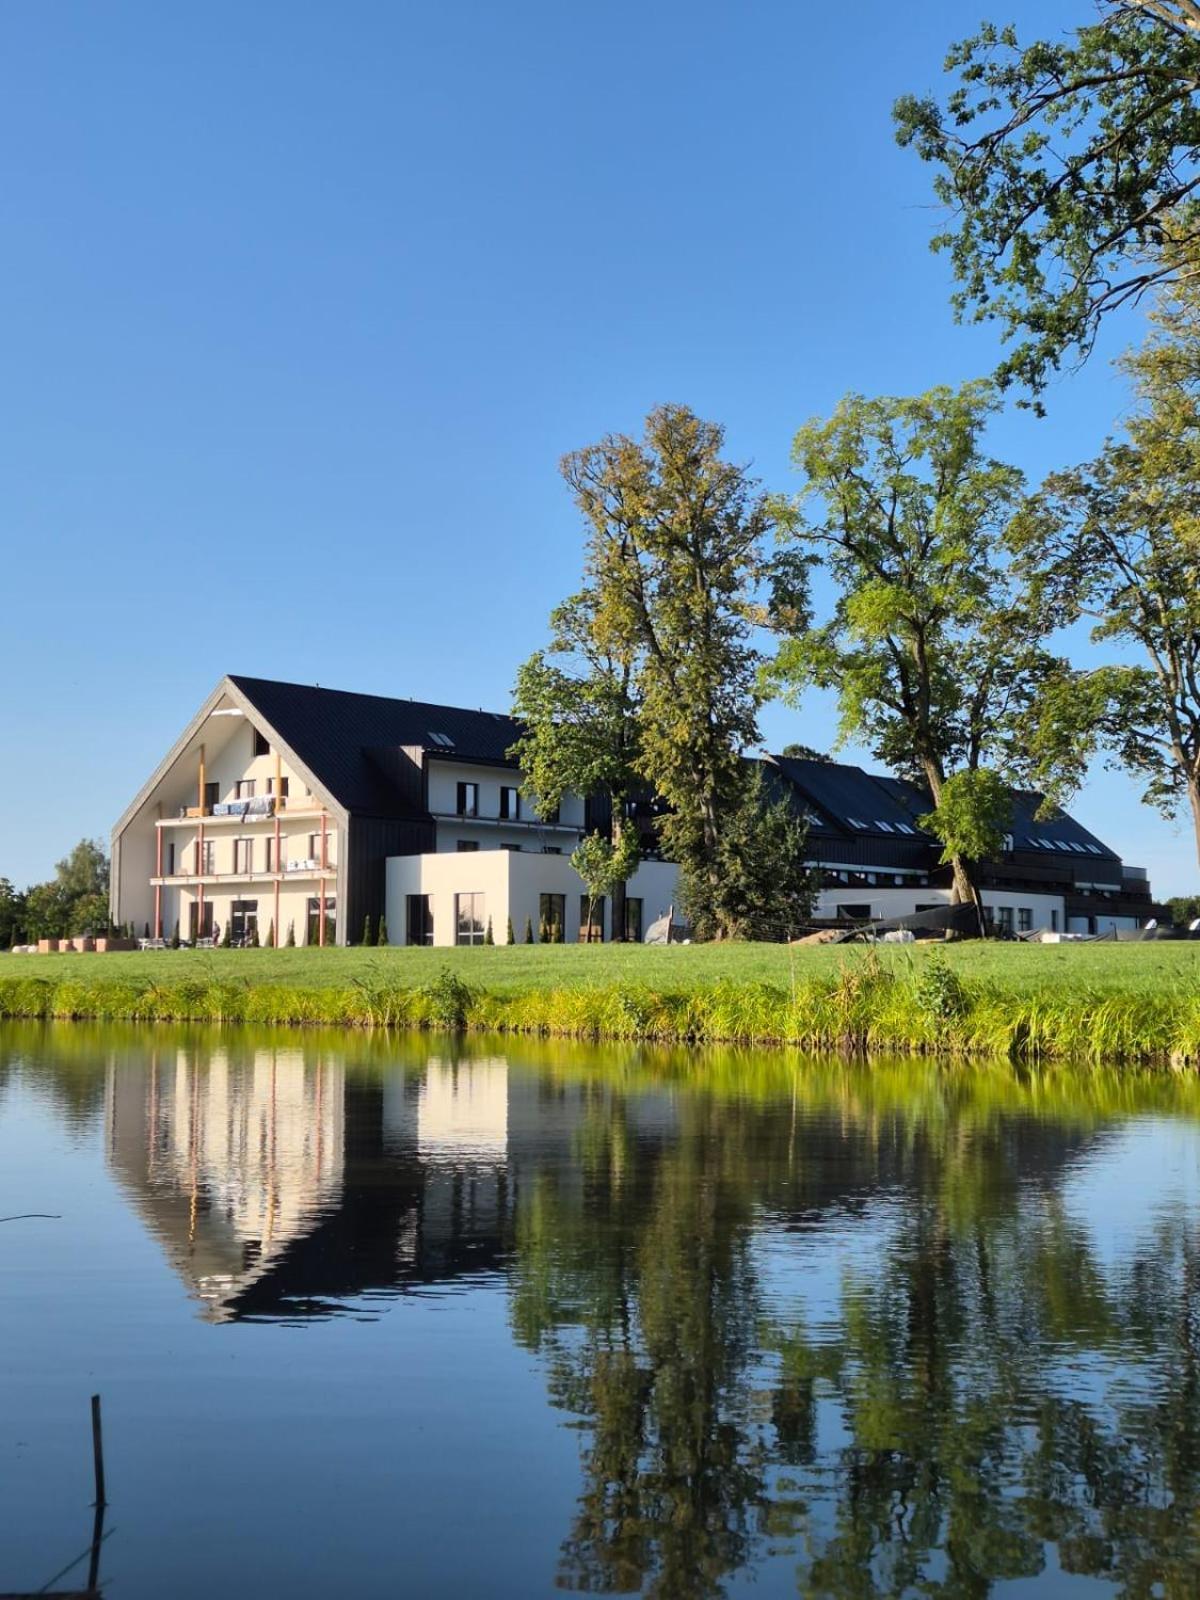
229 757
511 883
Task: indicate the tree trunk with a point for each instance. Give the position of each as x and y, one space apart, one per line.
618 912
1193 789
617 827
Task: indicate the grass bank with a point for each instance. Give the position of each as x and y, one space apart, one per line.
1113 1003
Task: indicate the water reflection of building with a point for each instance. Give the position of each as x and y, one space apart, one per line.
227 1160
280 1184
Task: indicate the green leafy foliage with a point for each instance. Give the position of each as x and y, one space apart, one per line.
1070 167
973 815
1117 542
935 655
762 887
676 571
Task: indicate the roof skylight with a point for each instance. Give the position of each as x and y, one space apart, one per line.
443 739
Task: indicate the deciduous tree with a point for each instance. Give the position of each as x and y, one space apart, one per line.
934 656
677 568
579 702
1117 541
1070 165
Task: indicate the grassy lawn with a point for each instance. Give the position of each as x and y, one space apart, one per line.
1118 967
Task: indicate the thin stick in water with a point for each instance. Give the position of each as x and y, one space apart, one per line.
98 1451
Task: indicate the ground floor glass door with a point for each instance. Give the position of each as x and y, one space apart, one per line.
243 922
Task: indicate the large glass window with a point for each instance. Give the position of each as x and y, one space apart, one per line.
510 803
468 799
1004 918
243 855
206 856
314 919
245 789
633 921
552 917
212 795
1025 919
468 918
591 919
418 919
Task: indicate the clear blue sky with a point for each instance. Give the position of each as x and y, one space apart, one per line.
302 304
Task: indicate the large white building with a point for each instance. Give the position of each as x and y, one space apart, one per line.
311 812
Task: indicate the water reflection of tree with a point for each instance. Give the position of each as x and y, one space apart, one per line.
958 1418
642 1297
975 1379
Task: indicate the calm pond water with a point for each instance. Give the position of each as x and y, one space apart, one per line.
429 1317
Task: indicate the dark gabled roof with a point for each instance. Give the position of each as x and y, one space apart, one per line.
849 802
337 736
837 797
1062 831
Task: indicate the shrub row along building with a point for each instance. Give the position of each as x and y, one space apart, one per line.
315 813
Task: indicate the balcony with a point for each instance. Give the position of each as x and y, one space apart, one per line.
263 808
528 824
308 868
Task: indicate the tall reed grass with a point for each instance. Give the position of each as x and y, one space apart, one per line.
920 1005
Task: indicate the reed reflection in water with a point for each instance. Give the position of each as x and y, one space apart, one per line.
814 1327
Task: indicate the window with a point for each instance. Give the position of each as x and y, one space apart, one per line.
552 917
315 852
855 823
464 845
1054 922
468 799
212 795
243 855
280 791
591 929
200 921
206 856
1004 918
314 920
886 826
854 913
515 847
271 867
243 921
170 862
261 747
552 849
468 919
633 921
244 789
510 803
418 919
1025 919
